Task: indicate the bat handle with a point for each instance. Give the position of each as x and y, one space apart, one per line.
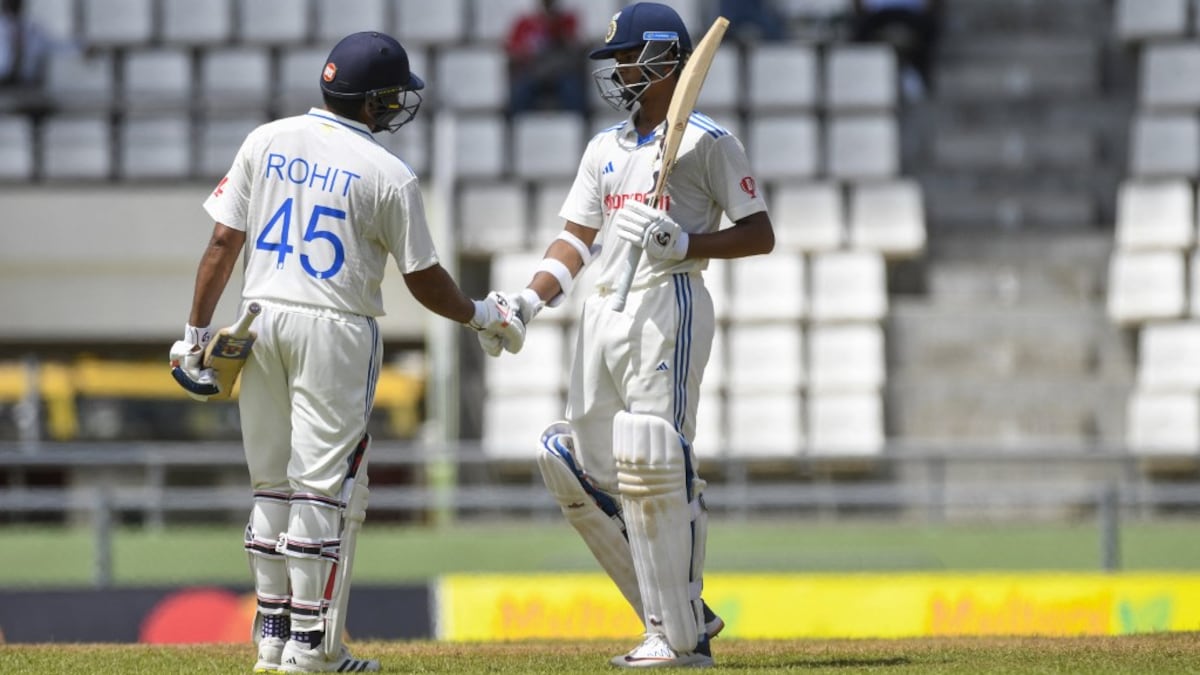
242 327
621 293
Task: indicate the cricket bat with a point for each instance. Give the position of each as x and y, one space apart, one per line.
226 353
683 101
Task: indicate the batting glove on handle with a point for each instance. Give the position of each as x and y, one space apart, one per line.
187 364
651 230
499 325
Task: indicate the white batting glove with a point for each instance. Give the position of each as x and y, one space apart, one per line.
495 318
527 302
187 366
652 230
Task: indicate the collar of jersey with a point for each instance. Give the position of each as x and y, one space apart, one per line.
338 119
629 129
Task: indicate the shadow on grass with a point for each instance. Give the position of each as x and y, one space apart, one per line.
824 663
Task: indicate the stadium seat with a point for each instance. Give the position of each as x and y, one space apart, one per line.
56 16
1146 285
492 19
846 358
411 144
808 216
1168 356
117 22
539 369
1166 79
863 147
693 13
492 218
1165 145
716 280
848 286
479 75
888 217
1139 20
709 440
764 426
274 22
1158 214
337 18
782 78
1194 283
220 138
861 77
547 145
593 15
154 148
299 78
784 147
158 79
513 424
76 148
479 146
769 288
845 424
78 82
1163 423
235 79
420 22
513 270
187 22
548 199
723 86
765 357
716 373
16 139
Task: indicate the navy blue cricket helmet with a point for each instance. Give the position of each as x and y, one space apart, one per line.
373 67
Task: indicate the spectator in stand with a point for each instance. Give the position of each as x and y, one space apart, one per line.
25 47
545 61
912 26
753 21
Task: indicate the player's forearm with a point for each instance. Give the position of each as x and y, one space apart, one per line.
214 271
437 291
752 235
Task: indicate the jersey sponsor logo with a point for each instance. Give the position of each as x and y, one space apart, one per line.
608 168
330 72
310 174
613 202
221 187
749 187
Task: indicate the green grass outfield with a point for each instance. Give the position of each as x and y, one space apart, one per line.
64 556
1173 654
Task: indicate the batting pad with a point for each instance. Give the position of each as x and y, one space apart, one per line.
652 468
594 514
268 520
354 513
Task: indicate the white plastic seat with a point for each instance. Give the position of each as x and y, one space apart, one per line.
766 357
548 199
187 22
1165 145
1146 285
16 148
479 150
717 281
478 78
593 16
784 147
808 216
848 286
220 138
158 79
76 147
1137 20
763 426
888 217
716 372
782 77
1156 214
492 218
511 271
539 368
493 18
420 22
846 357
117 22
235 79
769 288
709 439
1194 283
56 16
863 147
1167 76
271 22
861 77
154 148
1163 423
512 424
547 145
723 84
692 12
78 82
410 144
299 78
338 18
1169 356
845 424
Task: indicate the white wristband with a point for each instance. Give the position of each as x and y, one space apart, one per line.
577 244
196 336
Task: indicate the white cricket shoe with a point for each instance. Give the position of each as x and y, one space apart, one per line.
654 652
297 658
269 651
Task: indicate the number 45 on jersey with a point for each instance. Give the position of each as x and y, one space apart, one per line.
275 237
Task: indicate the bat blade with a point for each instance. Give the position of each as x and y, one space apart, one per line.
683 102
227 352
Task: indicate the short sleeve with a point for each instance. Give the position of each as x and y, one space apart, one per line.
583 204
731 180
230 200
405 229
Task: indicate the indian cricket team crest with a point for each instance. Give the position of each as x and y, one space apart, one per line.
612 28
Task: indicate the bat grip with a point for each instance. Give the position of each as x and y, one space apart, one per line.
621 293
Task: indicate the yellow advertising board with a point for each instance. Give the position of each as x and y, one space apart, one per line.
787 606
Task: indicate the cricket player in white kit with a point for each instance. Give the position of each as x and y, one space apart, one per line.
622 466
319 206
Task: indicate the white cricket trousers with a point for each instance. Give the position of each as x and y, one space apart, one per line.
306 395
648 359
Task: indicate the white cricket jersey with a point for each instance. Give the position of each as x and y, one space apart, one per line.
322 204
711 176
